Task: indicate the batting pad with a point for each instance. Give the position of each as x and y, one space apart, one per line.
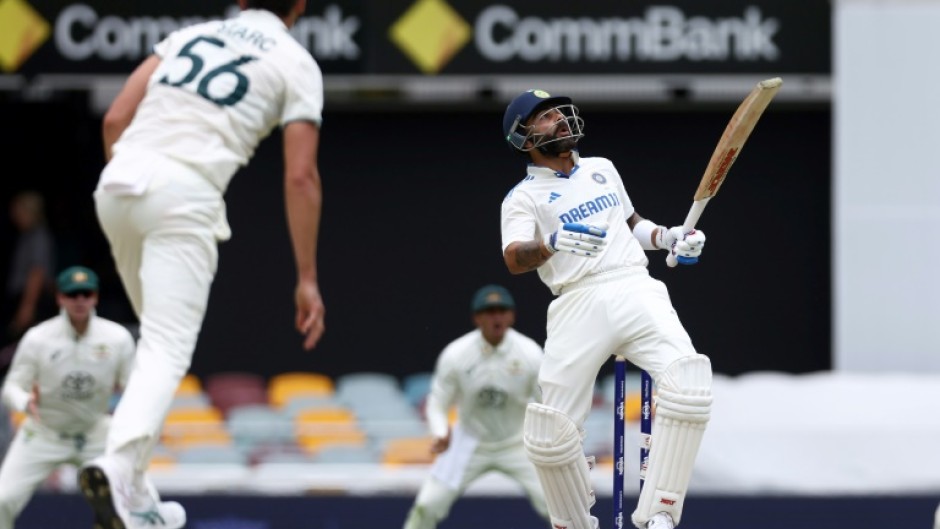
553 443
683 407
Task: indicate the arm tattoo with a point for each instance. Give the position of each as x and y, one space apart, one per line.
529 255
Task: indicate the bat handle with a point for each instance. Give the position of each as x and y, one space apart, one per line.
691 219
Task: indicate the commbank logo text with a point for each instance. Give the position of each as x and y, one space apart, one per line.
81 33
662 33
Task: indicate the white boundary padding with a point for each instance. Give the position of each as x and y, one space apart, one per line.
885 186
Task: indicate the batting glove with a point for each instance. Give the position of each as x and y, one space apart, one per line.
585 240
685 246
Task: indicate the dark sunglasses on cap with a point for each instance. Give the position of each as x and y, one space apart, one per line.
82 293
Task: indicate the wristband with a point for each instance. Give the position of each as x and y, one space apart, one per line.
643 231
549 242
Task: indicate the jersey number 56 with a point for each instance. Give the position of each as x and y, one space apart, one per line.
196 73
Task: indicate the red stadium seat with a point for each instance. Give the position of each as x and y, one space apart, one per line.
229 389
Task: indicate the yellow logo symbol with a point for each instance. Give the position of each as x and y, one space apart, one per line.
79 277
430 33
541 93
22 32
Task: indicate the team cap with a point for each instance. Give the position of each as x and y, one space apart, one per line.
492 296
77 278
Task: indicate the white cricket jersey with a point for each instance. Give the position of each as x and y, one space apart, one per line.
491 386
222 87
592 194
76 375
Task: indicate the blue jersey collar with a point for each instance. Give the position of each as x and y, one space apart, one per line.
546 172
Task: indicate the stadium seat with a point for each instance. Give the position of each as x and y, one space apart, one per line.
233 379
605 394
416 387
299 403
366 385
256 425
363 395
342 454
282 455
325 415
196 416
238 397
189 426
408 451
162 458
321 427
283 387
234 388
202 454
382 431
385 409
189 385
190 400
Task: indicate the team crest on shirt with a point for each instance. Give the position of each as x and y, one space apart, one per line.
599 178
492 397
100 351
78 385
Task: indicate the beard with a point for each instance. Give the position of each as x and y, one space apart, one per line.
559 145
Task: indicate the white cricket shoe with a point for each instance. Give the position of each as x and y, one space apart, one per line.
118 505
661 520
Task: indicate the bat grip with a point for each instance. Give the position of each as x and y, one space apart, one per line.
691 219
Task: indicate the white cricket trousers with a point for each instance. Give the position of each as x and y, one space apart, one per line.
34 454
622 312
164 244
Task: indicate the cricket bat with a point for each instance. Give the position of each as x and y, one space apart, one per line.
726 152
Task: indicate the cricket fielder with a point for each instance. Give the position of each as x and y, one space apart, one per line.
571 220
63 375
186 120
490 374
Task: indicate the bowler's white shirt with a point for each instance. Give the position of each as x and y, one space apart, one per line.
251 60
76 375
491 386
592 194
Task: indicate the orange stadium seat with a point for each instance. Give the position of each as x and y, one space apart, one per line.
285 386
321 427
408 451
190 385
188 426
633 402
